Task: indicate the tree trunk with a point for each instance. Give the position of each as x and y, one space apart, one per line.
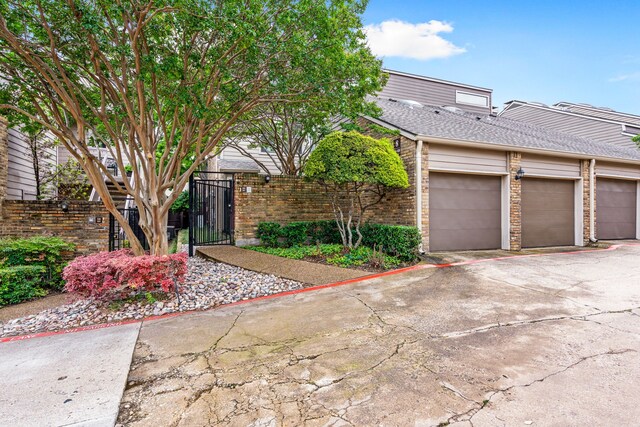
158 242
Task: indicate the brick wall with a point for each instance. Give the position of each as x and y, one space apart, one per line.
398 206
515 202
288 198
282 200
4 159
425 197
22 218
586 199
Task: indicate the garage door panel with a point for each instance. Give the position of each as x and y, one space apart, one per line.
614 215
548 217
616 199
467 219
615 208
454 181
458 240
464 212
463 198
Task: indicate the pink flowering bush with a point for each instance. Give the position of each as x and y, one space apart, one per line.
110 274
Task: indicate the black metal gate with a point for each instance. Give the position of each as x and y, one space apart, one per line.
117 238
211 205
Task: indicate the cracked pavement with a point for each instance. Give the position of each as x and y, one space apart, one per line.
550 340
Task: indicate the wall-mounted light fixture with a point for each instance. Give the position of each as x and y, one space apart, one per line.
64 206
267 178
519 174
397 144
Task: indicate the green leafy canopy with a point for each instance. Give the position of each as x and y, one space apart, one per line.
160 83
350 157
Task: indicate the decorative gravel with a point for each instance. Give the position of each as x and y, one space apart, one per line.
207 284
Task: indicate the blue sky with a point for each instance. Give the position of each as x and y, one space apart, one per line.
546 51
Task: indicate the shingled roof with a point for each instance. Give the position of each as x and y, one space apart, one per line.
438 122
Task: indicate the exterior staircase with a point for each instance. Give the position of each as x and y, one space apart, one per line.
121 200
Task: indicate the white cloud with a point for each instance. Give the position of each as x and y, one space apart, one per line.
406 40
633 77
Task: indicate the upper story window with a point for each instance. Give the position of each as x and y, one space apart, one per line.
630 130
472 99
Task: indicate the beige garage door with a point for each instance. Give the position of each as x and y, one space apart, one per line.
547 212
615 209
464 212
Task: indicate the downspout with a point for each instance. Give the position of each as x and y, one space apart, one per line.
419 190
592 210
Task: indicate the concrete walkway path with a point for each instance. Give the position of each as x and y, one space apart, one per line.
301 271
66 379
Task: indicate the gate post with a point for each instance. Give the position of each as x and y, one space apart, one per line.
191 216
112 232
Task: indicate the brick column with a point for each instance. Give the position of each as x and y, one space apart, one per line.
515 203
4 161
586 199
425 196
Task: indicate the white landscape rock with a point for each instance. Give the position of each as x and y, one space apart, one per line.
207 284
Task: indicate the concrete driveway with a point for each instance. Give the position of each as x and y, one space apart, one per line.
550 340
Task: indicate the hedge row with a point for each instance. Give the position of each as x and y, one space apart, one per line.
28 267
21 283
397 240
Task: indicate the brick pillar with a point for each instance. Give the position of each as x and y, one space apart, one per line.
515 203
586 199
4 160
425 197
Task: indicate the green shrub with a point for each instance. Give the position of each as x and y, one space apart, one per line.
397 240
21 283
295 233
269 233
363 255
324 232
182 203
48 252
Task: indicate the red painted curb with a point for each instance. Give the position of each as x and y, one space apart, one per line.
303 290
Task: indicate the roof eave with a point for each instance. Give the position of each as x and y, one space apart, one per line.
382 123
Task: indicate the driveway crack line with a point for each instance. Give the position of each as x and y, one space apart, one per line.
474 411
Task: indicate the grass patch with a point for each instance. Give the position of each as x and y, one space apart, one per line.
300 252
181 239
333 254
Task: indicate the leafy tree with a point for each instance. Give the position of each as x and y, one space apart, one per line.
356 170
158 82
71 181
287 133
636 139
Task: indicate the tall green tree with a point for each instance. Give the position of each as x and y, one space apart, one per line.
287 133
159 81
356 171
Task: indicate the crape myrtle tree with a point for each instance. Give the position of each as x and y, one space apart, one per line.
158 82
356 171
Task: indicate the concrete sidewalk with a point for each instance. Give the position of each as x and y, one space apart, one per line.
301 271
66 379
